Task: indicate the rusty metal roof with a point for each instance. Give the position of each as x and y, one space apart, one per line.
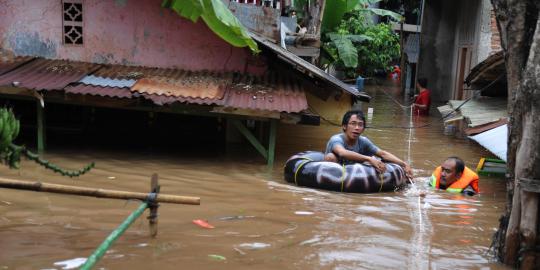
273 92
184 84
7 65
84 89
270 93
45 74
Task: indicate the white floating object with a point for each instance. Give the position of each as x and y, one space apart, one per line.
71 264
303 213
255 245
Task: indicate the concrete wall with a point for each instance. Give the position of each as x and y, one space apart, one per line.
438 46
135 32
484 36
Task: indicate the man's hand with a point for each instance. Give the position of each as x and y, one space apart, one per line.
379 165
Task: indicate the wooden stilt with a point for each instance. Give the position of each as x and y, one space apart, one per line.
40 128
250 137
272 143
153 217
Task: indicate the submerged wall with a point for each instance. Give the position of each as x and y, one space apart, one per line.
135 32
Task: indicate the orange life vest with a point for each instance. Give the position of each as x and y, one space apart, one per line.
468 178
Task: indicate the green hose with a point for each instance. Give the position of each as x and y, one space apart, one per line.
100 251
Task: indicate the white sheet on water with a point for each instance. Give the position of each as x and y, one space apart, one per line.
494 140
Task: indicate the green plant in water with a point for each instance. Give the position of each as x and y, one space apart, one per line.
10 153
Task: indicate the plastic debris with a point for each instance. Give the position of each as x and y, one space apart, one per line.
203 223
217 257
235 217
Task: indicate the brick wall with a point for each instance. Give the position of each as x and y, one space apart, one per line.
495 35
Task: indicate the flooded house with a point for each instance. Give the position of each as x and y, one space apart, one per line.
461 56
133 73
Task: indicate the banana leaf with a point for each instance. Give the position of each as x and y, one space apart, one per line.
384 12
217 17
346 50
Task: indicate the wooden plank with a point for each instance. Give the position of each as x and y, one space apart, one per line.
40 128
272 143
247 112
249 136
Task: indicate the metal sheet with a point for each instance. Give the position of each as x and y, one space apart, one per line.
259 19
114 92
270 93
494 140
107 82
7 64
45 74
192 85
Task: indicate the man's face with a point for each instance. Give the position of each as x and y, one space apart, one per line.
448 172
354 128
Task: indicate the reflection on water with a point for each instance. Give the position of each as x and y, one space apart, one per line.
260 221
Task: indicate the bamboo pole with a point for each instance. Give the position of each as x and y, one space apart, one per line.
93 192
100 251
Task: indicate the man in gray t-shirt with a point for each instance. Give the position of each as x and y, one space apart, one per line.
362 146
349 147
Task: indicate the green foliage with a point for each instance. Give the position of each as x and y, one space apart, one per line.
375 45
335 11
217 17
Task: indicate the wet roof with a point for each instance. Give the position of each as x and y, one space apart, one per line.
96 90
8 64
272 92
46 74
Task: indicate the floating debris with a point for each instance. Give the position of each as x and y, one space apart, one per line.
203 223
255 245
217 257
304 213
71 264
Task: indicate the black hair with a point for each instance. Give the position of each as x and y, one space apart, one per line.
347 117
422 82
460 165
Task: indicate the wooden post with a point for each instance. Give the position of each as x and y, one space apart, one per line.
272 143
153 217
40 128
249 136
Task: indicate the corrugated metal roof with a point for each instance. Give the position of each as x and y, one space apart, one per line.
270 93
8 64
166 100
107 82
273 92
84 89
482 110
184 84
494 140
45 74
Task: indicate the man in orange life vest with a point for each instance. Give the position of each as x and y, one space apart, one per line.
453 176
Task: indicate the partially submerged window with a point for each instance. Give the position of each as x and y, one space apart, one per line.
72 17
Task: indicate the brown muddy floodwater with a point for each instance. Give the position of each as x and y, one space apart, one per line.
261 222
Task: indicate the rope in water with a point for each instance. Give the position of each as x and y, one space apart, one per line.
306 160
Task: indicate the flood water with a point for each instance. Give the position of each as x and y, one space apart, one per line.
261 222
